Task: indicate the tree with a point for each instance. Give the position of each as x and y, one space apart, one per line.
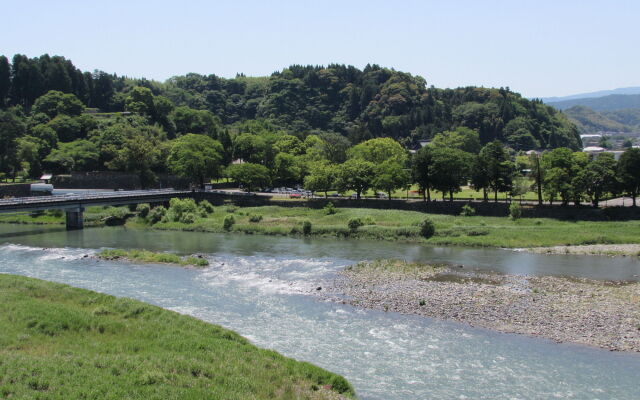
599 177
196 157
357 175
629 172
140 153
422 170
286 169
378 151
140 100
461 138
335 146
537 173
559 166
79 155
11 128
29 154
54 102
390 176
250 148
450 170
322 177
5 80
496 164
249 175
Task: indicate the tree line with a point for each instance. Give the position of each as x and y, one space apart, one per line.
300 100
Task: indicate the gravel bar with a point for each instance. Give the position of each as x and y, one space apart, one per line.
582 311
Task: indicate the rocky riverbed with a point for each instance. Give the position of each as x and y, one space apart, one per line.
593 249
594 313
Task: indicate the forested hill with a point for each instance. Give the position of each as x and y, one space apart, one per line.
359 104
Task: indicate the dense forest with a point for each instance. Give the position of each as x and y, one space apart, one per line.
297 125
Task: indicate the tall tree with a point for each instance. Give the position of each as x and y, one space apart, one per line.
5 80
450 170
495 161
629 172
390 176
322 177
599 177
197 157
357 175
421 171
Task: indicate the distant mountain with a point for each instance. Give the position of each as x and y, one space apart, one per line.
600 93
591 121
629 117
611 102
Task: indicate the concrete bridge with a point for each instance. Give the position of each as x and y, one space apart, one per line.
74 204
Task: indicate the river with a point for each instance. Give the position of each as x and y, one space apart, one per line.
259 286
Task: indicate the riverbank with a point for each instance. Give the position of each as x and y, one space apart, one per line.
612 250
398 225
58 341
581 311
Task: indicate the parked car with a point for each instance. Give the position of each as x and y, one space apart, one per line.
295 196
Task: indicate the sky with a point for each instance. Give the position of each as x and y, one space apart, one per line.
538 48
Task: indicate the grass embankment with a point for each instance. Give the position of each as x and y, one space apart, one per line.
146 256
93 216
59 342
405 226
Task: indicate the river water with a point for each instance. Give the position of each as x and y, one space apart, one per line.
259 286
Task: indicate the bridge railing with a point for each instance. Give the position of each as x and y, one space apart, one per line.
17 201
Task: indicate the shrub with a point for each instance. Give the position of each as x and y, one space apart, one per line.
156 214
427 228
515 211
55 213
231 209
188 218
329 209
143 209
354 224
368 221
255 218
467 211
179 207
117 212
205 207
306 227
228 222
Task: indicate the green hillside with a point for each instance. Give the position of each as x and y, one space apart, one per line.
591 121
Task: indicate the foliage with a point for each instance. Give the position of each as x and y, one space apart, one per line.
330 209
143 209
467 211
494 168
206 207
461 138
378 151
255 218
151 257
182 210
390 176
357 175
449 169
321 177
354 224
249 175
629 172
157 214
515 211
427 228
197 157
306 227
228 222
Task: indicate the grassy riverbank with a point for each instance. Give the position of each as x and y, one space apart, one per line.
595 313
93 216
405 226
146 256
61 342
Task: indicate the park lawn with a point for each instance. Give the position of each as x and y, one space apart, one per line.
466 193
60 342
405 226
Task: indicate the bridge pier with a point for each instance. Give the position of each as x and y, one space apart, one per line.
75 218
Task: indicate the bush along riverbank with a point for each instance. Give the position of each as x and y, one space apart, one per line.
146 256
60 342
594 313
372 224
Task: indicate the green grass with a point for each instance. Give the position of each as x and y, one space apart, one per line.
152 257
404 226
93 216
59 342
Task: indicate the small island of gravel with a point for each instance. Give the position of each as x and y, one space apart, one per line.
582 311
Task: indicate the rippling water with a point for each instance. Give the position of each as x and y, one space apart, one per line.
263 295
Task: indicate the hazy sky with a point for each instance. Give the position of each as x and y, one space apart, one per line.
539 48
